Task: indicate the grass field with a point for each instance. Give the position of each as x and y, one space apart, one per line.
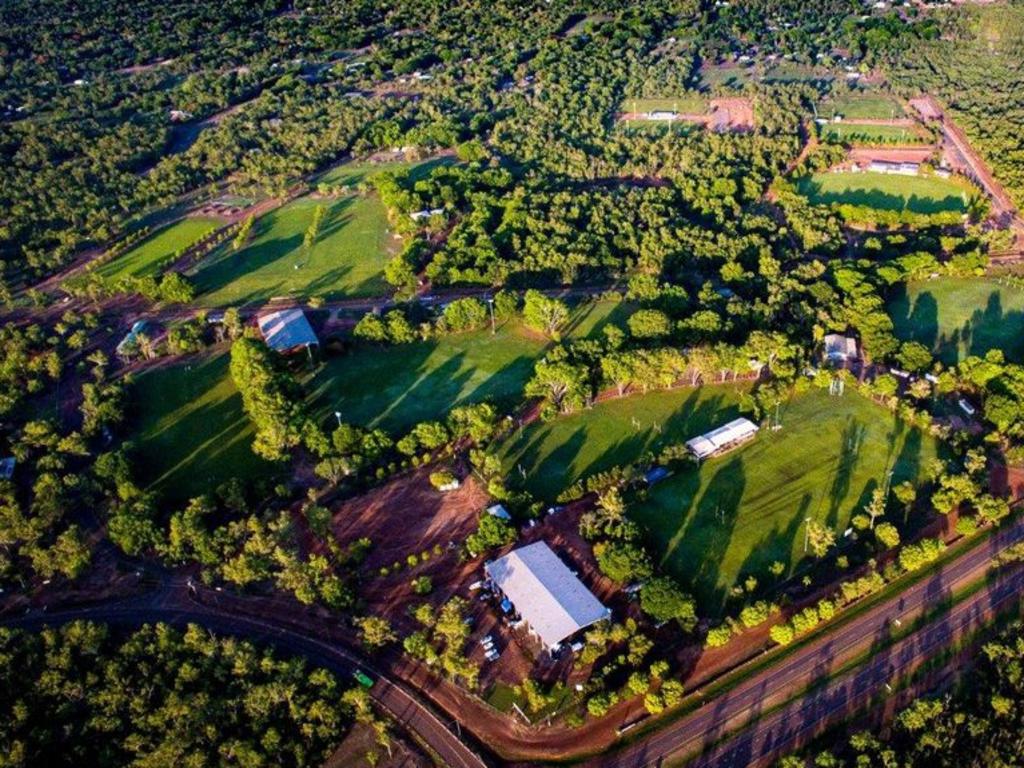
144 258
957 317
192 433
861 106
738 513
871 135
347 258
553 455
687 103
396 387
886 191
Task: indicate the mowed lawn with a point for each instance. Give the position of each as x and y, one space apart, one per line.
144 258
691 103
961 316
397 387
192 432
347 258
548 457
737 513
862 106
885 191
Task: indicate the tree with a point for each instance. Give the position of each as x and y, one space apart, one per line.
663 600
820 538
269 397
375 631
649 324
563 385
313 231
887 535
544 314
622 561
491 532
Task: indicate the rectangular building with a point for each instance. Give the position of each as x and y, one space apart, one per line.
548 596
722 439
287 330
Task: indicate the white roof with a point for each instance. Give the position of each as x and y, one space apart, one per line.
553 601
840 347
286 329
499 511
713 441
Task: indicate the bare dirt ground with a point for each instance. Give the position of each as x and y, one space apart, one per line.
732 114
916 154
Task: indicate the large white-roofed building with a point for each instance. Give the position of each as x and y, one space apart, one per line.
550 598
722 439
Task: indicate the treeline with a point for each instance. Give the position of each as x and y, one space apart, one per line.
85 695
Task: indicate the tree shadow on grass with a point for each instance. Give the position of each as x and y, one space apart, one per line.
775 546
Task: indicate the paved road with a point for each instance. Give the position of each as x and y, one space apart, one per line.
164 605
710 729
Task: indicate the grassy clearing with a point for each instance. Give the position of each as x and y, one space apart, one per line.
738 513
857 106
883 191
347 258
192 432
713 77
690 103
396 387
553 455
870 135
144 258
957 317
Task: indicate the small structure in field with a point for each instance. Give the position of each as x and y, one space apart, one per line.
840 349
662 114
727 437
552 601
287 330
426 213
499 511
900 169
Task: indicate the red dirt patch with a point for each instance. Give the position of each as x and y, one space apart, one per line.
732 114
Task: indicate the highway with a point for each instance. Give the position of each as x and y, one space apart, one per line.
716 732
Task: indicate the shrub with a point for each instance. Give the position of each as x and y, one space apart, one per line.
718 636
781 634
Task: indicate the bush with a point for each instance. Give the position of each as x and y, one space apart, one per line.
718 636
423 585
781 634
756 613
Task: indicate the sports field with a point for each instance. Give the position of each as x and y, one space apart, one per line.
192 432
885 191
691 103
870 135
548 457
144 258
861 106
346 259
960 316
738 513
396 387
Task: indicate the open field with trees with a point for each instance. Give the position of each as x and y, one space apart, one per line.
555 454
883 191
870 135
737 514
192 432
958 316
691 103
145 258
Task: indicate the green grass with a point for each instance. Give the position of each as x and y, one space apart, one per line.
347 258
144 258
886 191
956 317
192 434
862 107
738 513
713 77
690 103
850 133
396 387
553 455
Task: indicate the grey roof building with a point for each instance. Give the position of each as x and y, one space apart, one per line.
286 330
552 601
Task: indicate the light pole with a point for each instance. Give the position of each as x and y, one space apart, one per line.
337 415
807 532
490 303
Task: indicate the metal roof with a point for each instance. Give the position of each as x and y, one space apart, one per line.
549 597
711 442
286 329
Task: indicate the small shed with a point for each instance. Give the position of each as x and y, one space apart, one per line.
287 330
839 348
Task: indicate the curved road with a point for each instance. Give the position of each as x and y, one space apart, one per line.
157 607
